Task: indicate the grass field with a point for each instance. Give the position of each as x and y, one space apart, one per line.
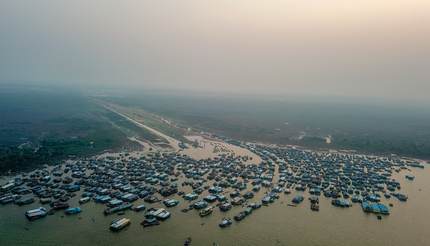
40 126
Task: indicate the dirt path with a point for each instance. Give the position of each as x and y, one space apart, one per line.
172 141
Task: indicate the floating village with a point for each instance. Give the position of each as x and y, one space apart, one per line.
152 183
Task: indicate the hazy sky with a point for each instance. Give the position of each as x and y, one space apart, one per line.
324 47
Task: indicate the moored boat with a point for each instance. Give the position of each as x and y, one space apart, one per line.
150 221
36 213
71 211
84 200
119 224
298 199
206 211
225 223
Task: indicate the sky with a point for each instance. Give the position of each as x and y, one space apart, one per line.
360 48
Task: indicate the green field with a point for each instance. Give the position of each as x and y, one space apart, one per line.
40 126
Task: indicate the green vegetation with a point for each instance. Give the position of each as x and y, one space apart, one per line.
40 127
157 123
130 129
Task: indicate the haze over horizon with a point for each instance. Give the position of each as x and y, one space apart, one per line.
334 47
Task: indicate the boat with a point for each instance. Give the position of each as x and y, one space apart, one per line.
221 198
129 197
255 205
210 198
84 200
225 223
343 203
376 208
200 205
102 199
71 211
60 205
170 202
24 201
160 213
237 201
190 196
240 216
114 203
225 207
206 211
298 199
267 199
401 197
119 224
45 200
151 199
373 198
315 207
139 208
187 241
119 208
314 199
247 211
256 188
9 199
150 221
356 199
409 177
36 213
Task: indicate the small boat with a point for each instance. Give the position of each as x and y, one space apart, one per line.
206 211
150 221
200 205
356 199
377 208
170 202
36 213
59 205
24 201
401 197
119 224
267 199
160 213
255 205
187 242
225 223
225 207
45 200
343 203
71 211
240 216
298 199
117 209
315 207
84 200
409 177
139 208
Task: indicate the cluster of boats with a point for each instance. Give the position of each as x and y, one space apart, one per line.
126 183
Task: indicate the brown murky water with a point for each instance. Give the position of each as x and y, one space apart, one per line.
276 224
